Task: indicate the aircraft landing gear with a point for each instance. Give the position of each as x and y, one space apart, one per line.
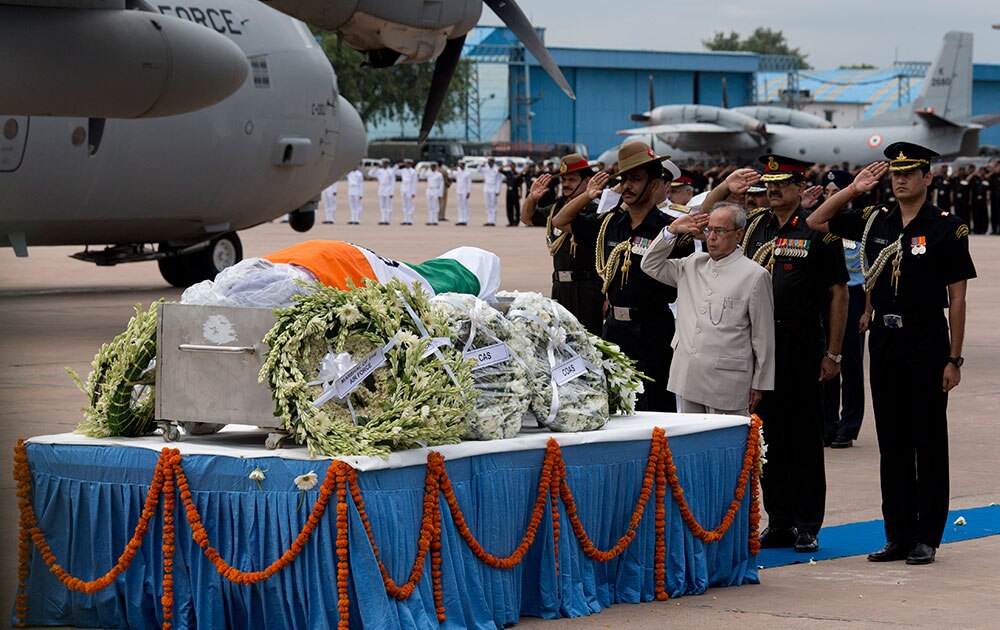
183 271
302 220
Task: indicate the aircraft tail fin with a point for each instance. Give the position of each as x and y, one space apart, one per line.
947 88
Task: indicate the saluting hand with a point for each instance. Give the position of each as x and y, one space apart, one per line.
597 183
868 178
742 179
693 223
539 186
811 196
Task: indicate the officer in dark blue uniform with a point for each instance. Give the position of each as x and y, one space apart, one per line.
638 318
808 273
917 264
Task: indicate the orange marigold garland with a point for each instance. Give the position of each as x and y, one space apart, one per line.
756 426
544 485
586 544
169 497
169 478
343 598
29 524
660 548
749 463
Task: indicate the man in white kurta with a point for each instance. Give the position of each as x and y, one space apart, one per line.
724 341
355 190
330 202
386 176
435 190
463 188
407 190
491 189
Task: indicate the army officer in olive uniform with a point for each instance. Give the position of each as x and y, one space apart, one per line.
639 318
575 283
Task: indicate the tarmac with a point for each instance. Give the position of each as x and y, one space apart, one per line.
55 312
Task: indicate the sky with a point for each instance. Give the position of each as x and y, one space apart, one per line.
831 34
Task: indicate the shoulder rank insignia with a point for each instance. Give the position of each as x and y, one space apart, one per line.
831 238
944 214
867 211
756 212
962 231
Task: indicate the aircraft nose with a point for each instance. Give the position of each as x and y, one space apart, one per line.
352 139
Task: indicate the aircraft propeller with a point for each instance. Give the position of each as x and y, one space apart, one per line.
447 62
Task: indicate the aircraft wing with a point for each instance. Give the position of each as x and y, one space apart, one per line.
986 120
682 128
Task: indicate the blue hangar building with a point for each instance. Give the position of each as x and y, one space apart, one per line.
512 99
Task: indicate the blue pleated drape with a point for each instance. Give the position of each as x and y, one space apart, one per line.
88 501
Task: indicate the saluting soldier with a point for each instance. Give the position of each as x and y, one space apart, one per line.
638 318
808 272
575 283
918 264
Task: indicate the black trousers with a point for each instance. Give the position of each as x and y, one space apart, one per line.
794 480
844 394
513 210
907 366
995 213
647 341
980 217
585 300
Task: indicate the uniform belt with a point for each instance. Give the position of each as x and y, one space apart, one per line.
573 276
908 320
629 313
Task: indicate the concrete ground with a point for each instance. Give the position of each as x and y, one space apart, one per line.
55 312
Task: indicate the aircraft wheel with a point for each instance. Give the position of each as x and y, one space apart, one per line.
183 271
302 220
175 271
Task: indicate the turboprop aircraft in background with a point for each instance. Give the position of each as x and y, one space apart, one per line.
939 118
188 181
143 125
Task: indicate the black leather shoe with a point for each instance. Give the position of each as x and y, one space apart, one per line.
774 537
841 443
921 554
889 553
806 543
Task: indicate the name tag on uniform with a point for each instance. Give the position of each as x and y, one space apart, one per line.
564 276
622 313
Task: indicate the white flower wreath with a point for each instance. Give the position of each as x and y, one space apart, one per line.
503 386
421 396
553 337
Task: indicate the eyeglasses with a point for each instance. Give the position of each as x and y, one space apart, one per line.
719 231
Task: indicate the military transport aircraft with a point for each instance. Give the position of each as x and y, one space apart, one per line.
940 118
142 125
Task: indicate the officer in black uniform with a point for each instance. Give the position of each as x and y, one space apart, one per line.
979 191
575 283
994 182
960 194
940 185
808 273
919 265
639 318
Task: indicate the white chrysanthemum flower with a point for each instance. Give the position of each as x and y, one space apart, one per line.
348 314
960 521
257 475
307 481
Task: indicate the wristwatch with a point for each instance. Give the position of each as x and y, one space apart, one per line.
956 361
834 357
